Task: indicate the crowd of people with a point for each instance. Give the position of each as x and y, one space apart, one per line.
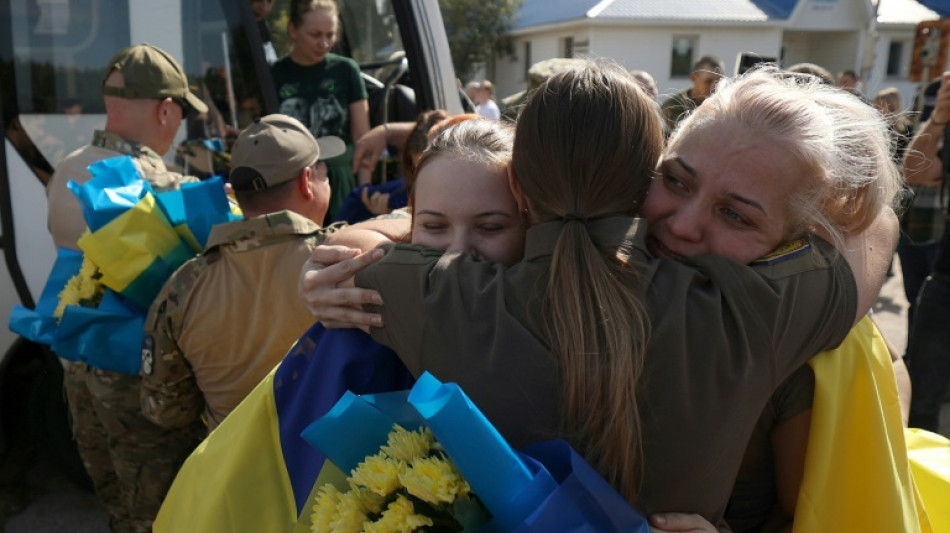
593 262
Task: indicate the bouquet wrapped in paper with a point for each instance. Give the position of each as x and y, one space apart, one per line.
93 306
427 459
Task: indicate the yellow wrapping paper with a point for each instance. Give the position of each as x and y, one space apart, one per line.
126 247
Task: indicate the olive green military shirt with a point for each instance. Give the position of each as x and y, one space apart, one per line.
225 318
65 219
723 336
675 109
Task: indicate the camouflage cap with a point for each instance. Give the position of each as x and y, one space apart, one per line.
149 72
274 149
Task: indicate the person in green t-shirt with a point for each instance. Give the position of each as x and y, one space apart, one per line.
323 90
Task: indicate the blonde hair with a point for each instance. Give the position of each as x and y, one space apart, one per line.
586 146
890 97
299 8
843 143
476 140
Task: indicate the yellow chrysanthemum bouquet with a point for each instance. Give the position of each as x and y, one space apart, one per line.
410 484
452 472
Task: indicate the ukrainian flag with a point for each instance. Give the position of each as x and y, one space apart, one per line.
254 472
857 473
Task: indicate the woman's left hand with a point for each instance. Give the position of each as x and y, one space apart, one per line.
682 522
326 286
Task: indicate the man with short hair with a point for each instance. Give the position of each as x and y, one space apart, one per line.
228 316
848 80
487 107
473 92
131 461
706 73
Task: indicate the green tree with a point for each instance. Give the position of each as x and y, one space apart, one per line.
477 30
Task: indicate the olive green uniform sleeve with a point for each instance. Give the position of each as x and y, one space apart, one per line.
170 395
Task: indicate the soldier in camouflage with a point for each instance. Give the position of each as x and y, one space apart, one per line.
228 316
131 461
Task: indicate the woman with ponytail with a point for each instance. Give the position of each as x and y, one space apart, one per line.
656 370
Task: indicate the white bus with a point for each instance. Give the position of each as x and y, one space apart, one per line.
52 56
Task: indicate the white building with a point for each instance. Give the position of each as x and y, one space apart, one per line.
875 38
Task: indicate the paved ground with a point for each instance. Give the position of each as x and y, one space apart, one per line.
49 504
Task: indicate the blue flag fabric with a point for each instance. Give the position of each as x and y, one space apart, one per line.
255 472
321 367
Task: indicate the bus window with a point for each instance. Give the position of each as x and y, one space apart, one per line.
59 51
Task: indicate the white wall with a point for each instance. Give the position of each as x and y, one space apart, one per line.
836 51
830 15
639 47
510 73
825 32
878 79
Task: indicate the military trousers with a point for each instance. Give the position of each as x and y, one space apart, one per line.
131 461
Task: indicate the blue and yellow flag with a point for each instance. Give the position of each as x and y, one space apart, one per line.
254 472
857 473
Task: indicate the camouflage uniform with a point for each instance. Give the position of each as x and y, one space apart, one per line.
131 461
66 222
225 318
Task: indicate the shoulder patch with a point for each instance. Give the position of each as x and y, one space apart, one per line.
148 355
784 252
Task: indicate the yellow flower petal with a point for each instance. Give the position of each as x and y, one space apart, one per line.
406 445
434 480
378 473
351 512
399 517
324 508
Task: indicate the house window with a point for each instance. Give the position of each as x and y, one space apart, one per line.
581 48
527 58
567 47
895 55
684 49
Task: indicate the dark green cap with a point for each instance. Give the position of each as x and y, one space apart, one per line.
149 72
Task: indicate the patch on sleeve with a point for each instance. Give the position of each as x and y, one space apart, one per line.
784 252
148 355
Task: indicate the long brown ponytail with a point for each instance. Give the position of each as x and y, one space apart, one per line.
586 145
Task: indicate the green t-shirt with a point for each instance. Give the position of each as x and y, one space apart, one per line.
320 95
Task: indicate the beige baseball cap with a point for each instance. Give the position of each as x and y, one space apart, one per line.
149 72
274 149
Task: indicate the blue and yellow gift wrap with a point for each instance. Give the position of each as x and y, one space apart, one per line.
136 239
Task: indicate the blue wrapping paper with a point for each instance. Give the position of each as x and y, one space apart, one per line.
115 187
358 426
199 206
583 500
107 337
482 455
39 325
